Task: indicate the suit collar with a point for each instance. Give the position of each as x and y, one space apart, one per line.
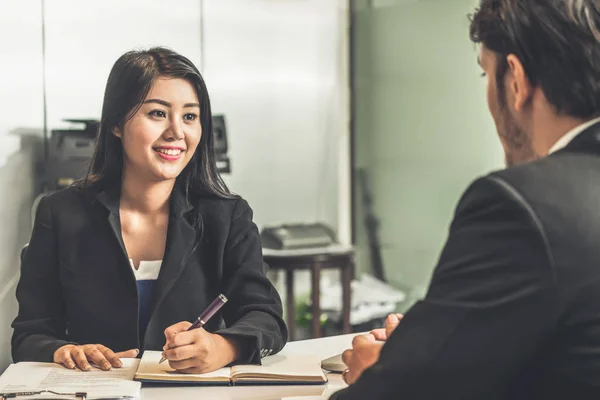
109 199
179 203
181 237
588 141
565 139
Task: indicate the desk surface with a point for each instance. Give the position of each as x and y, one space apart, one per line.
323 348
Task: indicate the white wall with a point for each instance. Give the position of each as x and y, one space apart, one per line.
15 220
85 38
276 69
422 111
20 110
20 71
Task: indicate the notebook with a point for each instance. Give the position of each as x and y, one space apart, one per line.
275 370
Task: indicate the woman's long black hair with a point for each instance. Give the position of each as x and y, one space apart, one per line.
128 85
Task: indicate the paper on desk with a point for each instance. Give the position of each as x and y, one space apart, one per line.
32 376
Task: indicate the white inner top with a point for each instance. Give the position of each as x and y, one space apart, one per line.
148 270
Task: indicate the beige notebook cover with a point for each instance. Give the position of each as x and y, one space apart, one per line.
277 370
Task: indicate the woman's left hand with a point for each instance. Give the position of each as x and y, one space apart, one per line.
197 351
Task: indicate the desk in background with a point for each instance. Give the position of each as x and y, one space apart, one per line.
323 348
314 259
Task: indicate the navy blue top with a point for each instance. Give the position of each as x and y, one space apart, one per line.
145 297
146 276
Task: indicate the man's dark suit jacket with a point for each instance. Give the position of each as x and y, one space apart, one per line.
513 308
77 284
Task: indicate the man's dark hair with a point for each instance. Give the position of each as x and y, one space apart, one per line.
557 41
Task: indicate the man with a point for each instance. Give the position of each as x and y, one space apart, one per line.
513 308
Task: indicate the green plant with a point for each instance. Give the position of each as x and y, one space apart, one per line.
304 313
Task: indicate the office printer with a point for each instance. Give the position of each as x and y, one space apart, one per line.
220 134
69 153
297 236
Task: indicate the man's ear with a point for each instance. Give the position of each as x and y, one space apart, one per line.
116 131
518 83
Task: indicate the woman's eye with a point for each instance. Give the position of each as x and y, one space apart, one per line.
190 117
158 113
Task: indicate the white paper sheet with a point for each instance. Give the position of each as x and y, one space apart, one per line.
31 376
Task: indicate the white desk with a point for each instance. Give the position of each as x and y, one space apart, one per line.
323 348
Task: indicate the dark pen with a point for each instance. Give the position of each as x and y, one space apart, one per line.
205 316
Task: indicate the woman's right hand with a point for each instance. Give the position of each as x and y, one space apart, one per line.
72 356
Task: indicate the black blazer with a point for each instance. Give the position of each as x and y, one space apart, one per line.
77 285
513 308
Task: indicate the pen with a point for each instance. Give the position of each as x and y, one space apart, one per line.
205 316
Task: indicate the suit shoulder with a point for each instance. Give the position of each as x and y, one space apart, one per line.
511 189
487 191
497 198
535 176
66 198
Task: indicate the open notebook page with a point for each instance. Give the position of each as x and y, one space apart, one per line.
150 369
32 376
305 368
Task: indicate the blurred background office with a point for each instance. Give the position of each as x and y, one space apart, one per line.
353 125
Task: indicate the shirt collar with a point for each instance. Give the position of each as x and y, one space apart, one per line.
570 135
179 202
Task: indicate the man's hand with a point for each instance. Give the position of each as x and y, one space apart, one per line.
197 351
72 356
365 352
365 349
391 322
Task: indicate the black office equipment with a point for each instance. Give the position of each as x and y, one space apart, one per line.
220 139
69 153
220 134
297 236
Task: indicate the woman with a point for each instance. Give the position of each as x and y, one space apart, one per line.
126 258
